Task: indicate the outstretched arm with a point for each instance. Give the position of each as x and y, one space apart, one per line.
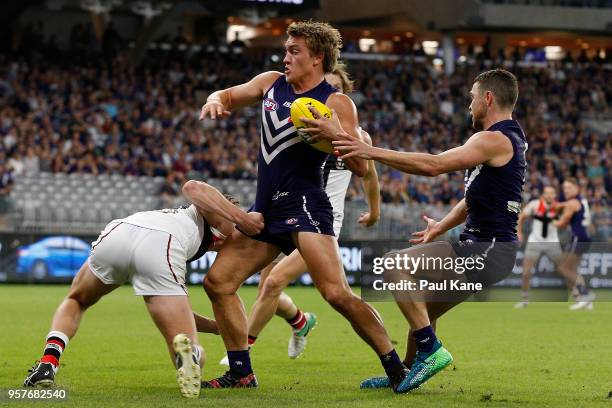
209 200
569 208
435 228
221 103
483 147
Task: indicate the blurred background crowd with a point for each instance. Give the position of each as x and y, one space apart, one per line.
85 110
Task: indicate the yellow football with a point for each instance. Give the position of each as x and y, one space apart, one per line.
299 109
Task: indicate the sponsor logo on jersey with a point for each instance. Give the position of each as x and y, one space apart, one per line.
287 104
291 221
276 134
270 104
514 206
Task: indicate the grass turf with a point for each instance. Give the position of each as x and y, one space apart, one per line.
544 356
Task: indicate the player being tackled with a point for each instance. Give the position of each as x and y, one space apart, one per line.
271 298
296 209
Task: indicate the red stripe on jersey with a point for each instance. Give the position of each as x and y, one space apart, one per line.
541 210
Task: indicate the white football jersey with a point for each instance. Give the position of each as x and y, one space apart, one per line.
185 224
542 230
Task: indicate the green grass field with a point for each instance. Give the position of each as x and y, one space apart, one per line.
544 356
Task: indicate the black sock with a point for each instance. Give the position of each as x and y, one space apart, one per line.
408 365
391 363
425 339
582 289
240 363
54 347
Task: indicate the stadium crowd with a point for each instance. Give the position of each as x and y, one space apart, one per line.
101 115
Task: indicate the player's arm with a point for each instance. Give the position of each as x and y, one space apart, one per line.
372 190
569 208
343 125
212 203
435 228
221 103
205 325
526 213
343 107
491 148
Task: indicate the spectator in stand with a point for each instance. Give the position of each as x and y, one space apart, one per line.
31 162
169 192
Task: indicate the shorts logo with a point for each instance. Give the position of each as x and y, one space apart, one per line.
287 104
315 223
467 242
270 104
291 221
279 194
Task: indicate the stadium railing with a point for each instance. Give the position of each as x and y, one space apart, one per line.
84 204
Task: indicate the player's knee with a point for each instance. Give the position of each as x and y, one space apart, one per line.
216 286
272 287
82 299
211 287
395 275
336 296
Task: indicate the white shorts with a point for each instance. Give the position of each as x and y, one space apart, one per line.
154 261
337 184
552 250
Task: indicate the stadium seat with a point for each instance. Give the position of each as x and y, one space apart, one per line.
29 214
60 214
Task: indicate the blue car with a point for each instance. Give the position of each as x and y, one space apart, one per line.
52 257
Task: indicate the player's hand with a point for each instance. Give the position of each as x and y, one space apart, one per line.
321 127
368 219
428 234
519 236
353 148
252 224
205 325
214 108
559 206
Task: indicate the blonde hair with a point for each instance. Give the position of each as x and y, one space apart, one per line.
319 38
346 81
